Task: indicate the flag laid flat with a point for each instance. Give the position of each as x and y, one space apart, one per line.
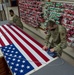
23 54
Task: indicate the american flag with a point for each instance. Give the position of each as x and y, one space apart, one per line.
23 54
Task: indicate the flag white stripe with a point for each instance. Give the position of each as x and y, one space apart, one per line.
0 45
4 40
28 47
0 34
32 42
19 48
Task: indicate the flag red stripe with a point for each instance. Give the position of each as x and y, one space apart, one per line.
30 37
1 42
24 48
34 48
9 41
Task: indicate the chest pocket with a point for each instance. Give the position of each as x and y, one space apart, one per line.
55 37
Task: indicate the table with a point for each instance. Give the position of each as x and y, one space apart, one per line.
23 54
57 67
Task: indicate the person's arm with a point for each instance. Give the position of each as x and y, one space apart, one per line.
63 43
46 41
15 19
18 22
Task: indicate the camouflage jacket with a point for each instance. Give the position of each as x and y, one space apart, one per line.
56 39
16 20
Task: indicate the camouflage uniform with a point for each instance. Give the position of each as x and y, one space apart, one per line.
57 39
16 20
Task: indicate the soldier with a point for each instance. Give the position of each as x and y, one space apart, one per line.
56 38
15 19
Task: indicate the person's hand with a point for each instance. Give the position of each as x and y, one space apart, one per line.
52 50
45 47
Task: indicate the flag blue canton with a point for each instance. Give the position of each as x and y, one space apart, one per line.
18 64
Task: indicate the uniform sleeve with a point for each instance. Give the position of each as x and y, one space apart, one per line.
47 38
15 19
63 43
18 22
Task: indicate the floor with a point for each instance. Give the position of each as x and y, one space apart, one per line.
68 53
